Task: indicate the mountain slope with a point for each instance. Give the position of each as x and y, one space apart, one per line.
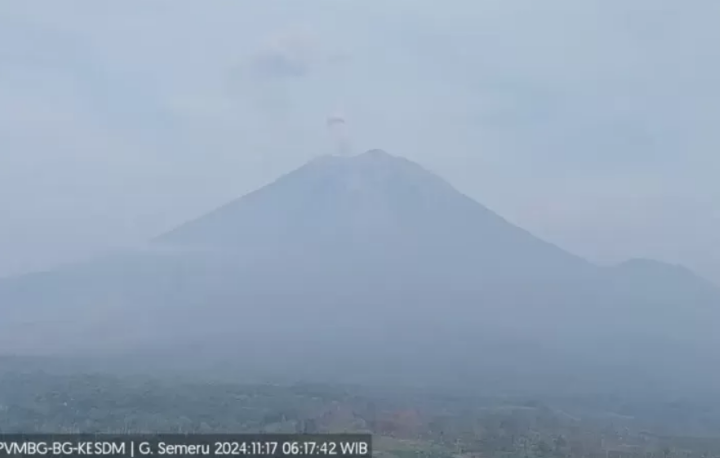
371 267
375 205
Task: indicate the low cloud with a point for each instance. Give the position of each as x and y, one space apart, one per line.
287 55
294 54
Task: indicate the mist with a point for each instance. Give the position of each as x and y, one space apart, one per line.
512 200
533 118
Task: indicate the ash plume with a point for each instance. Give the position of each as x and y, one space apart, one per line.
337 125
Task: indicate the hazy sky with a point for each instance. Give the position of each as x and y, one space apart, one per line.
590 123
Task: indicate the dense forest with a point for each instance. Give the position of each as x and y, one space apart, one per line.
404 423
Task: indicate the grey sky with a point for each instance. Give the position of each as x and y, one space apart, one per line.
589 123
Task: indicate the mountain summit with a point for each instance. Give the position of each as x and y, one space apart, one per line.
374 204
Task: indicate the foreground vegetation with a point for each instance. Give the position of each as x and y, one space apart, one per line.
404 424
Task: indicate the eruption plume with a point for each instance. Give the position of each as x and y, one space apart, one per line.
338 130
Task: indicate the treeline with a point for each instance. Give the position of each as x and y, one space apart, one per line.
404 424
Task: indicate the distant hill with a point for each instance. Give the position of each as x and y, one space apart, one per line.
371 267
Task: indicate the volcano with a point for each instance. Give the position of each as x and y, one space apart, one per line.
371 267
375 211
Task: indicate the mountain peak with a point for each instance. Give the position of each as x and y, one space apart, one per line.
373 171
377 154
371 208
371 153
331 194
370 158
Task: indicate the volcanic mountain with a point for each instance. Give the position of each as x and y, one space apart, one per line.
371 267
374 208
